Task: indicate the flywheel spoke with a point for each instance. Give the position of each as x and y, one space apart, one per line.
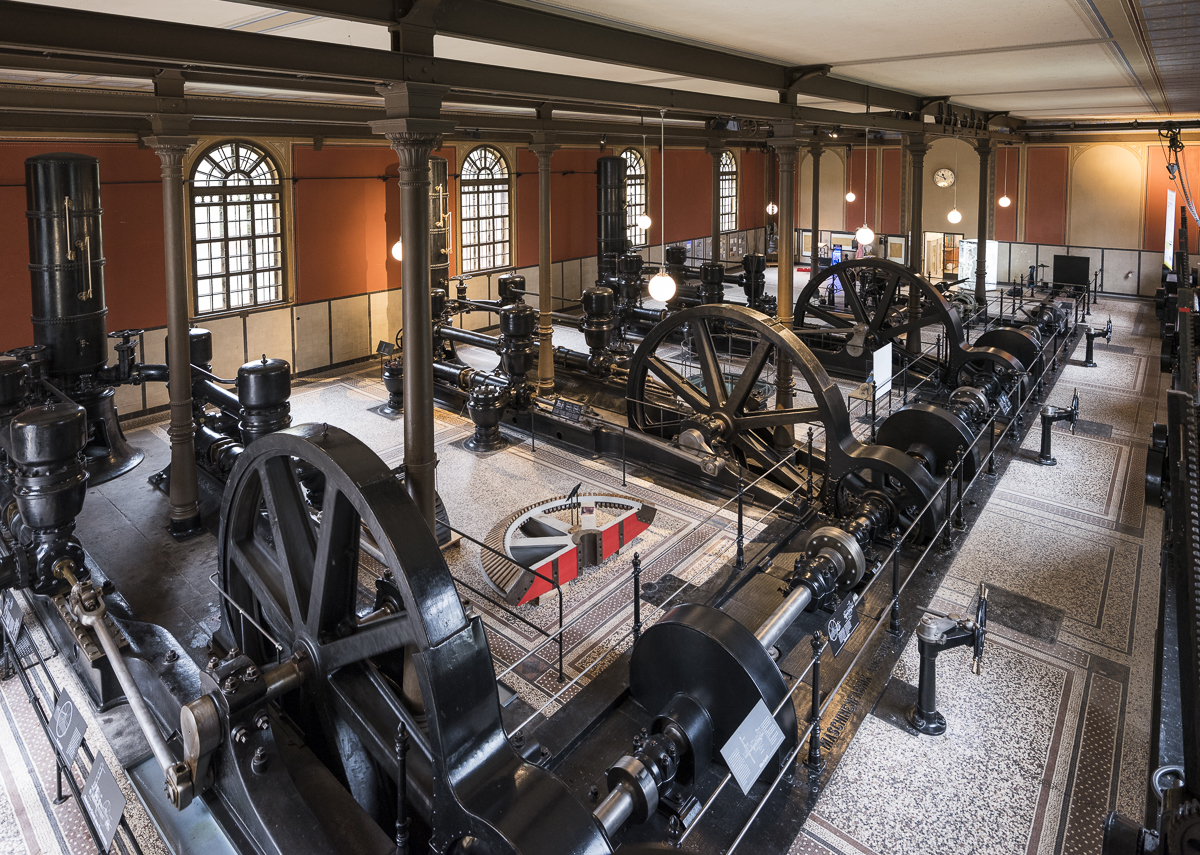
756 452
710 366
292 531
335 566
261 575
750 373
832 318
853 303
885 303
391 633
678 384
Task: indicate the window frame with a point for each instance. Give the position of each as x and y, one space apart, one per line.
636 179
466 190
220 193
728 179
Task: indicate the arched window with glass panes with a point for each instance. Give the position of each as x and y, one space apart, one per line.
486 221
635 196
237 235
728 192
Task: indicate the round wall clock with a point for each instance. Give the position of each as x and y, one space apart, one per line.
943 177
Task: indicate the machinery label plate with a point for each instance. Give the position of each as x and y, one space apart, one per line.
104 801
69 727
843 623
1004 404
569 410
752 746
13 616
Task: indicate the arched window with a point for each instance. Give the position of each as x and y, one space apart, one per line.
635 196
728 192
486 186
237 236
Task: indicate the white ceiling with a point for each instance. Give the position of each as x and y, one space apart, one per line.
1033 58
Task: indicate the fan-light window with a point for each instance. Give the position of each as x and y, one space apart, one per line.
486 222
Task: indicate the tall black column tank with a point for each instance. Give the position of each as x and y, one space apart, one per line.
66 262
610 206
66 270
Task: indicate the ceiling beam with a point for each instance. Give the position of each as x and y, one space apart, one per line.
563 34
75 33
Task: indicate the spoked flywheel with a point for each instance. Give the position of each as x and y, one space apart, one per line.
851 309
381 642
707 375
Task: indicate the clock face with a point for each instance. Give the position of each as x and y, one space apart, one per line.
943 177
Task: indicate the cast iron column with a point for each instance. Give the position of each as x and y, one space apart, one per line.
414 130
985 149
786 146
815 148
545 373
917 146
185 507
715 150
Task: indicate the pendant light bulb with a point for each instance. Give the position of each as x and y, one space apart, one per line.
954 216
662 287
643 221
398 249
864 235
1004 201
850 197
772 209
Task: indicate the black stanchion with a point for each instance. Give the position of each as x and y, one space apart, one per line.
991 470
959 523
894 629
560 625
637 596
810 464
816 763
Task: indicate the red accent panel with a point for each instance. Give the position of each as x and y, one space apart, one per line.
689 195
1008 163
611 538
527 208
568 569
889 219
752 207
1046 195
134 271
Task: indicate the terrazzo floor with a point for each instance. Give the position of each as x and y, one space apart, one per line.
1072 538
1055 732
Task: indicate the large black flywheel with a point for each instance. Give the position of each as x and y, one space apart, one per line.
711 372
708 375
384 642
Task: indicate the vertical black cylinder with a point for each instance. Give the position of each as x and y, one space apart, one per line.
66 261
439 223
610 206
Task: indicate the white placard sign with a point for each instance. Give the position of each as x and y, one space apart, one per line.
882 370
1169 243
752 746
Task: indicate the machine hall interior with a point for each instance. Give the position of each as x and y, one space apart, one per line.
520 427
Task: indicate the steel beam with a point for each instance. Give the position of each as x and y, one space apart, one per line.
76 33
564 34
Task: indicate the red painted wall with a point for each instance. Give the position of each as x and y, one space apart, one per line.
1046 195
1008 179
132 228
889 217
347 219
689 195
1157 184
862 182
752 201
572 204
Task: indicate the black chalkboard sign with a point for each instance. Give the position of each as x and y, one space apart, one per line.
843 623
569 410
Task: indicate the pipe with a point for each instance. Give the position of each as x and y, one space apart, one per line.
476 339
783 617
615 810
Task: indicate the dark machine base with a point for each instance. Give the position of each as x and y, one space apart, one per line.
1047 461
388 412
107 455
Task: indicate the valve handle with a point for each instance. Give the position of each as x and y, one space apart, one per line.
980 630
1074 411
125 334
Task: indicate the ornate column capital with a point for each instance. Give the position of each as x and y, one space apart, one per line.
543 145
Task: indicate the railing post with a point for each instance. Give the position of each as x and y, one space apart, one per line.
810 464
637 596
894 624
816 764
959 523
560 624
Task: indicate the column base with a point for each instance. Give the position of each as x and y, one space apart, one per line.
185 529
